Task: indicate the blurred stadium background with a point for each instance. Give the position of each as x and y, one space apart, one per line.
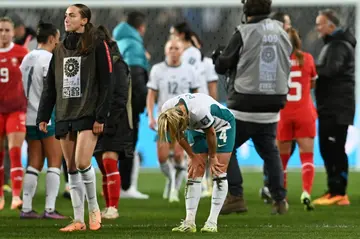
214 21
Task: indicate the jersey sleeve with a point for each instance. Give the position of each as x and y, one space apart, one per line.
45 66
312 66
194 83
211 74
204 117
153 82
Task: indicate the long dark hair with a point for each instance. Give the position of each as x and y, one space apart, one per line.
184 27
296 44
87 39
104 34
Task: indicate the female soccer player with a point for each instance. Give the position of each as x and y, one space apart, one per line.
34 69
208 85
170 78
191 54
297 119
12 109
116 142
212 128
78 82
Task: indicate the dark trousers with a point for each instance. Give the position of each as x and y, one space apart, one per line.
126 165
263 137
332 138
266 177
139 79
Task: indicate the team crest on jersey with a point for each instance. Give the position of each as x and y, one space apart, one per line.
205 120
14 61
71 77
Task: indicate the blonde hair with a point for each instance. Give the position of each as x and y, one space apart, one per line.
172 122
7 19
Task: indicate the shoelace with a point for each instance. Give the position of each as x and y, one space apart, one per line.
93 217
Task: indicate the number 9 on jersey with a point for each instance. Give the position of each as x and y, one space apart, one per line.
4 75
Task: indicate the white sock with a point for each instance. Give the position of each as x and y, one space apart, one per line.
135 171
77 196
89 178
220 190
168 169
52 188
192 198
29 188
180 173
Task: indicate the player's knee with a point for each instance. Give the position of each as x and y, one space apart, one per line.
163 156
82 165
110 155
37 165
198 172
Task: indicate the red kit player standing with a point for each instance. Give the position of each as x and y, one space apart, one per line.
298 118
12 109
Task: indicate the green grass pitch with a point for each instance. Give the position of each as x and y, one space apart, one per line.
154 218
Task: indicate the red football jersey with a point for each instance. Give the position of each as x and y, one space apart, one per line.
12 96
299 101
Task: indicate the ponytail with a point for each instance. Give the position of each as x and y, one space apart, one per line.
299 57
296 44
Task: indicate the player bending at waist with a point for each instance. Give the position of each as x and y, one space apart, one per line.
211 129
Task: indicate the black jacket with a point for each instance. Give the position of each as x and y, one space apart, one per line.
335 87
96 96
120 87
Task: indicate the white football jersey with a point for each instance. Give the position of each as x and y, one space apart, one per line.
171 81
207 74
203 111
34 69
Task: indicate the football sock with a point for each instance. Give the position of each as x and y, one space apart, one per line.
52 188
30 184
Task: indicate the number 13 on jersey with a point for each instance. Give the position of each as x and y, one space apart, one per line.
295 85
4 75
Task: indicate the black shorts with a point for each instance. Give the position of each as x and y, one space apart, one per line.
62 128
118 138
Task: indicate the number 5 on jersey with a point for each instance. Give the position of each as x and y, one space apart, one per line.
296 85
4 75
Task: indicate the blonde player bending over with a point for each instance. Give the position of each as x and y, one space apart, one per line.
212 128
167 80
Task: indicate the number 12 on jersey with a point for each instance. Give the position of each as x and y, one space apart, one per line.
4 75
295 85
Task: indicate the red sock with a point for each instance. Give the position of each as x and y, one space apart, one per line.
2 154
16 172
285 159
113 181
105 190
307 170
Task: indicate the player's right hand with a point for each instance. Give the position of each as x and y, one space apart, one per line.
195 166
152 123
43 127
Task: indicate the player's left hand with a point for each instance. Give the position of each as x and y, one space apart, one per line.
215 166
98 128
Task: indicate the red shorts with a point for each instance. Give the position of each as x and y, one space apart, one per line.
12 123
289 129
